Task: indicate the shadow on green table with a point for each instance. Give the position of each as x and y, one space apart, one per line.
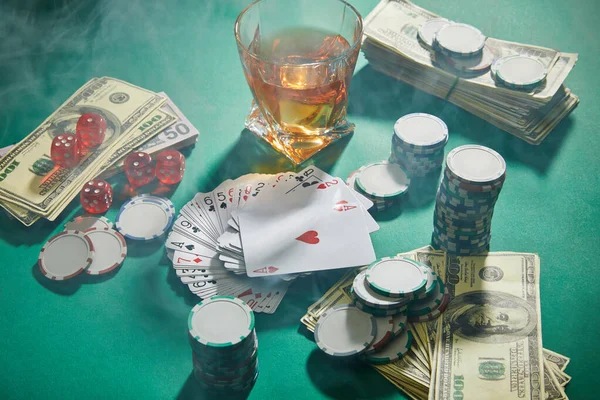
346 379
378 96
251 154
192 390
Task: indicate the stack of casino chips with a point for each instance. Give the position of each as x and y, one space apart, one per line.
383 182
224 345
418 143
468 192
386 295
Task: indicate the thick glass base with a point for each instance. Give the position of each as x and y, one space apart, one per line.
297 148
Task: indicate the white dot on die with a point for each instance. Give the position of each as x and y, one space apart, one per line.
96 191
135 163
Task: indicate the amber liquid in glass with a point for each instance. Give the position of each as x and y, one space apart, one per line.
300 86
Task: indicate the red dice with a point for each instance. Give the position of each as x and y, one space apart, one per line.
139 168
170 166
64 150
90 130
96 196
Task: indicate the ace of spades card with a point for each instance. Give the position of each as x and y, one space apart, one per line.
315 229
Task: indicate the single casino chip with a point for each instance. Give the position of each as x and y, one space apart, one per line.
145 217
396 277
66 255
385 329
344 331
429 303
383 180
520 71
110 250
400 321
221 321
429 28
476 164
421 131
459 40
85 222
393 351
371 298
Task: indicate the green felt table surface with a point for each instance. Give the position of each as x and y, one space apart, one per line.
125 336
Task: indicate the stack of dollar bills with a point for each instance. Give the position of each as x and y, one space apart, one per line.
32 187
486 345
392 46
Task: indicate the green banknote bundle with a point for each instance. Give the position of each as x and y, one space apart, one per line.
392 47
31 186
488 342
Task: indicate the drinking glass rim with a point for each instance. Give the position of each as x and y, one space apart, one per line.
343 55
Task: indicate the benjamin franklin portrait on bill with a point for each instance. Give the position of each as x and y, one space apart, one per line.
491 317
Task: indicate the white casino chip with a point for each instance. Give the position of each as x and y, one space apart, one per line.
345 330
460 40
422 130
221 321
145 217
476 164
396 277
520 71
110 250
383 180
66 255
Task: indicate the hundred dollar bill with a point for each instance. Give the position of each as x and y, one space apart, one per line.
181 134
491 345
28 177
161 119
